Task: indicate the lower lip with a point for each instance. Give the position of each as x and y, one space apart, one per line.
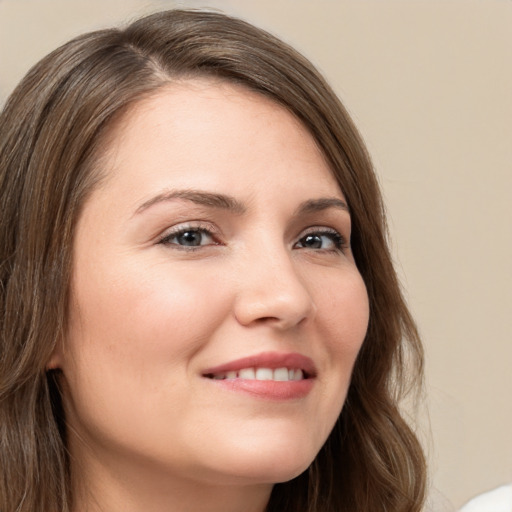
268 389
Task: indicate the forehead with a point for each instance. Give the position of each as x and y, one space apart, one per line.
212 131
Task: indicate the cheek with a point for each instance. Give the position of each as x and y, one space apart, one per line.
342 319
136 335
130 344
343 312
155 310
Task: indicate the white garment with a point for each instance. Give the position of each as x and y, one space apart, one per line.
498 500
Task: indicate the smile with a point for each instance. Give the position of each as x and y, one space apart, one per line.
273 376
278 374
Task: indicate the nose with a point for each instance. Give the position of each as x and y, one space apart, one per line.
271 291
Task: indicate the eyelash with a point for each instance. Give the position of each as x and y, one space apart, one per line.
181 230
338 240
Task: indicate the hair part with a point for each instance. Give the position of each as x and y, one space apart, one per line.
55 129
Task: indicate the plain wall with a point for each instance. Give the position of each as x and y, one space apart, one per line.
429 83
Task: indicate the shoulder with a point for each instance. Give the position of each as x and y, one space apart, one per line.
498 500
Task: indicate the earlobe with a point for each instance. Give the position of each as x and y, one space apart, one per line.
55 361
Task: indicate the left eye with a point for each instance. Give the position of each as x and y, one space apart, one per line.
189 237
326 240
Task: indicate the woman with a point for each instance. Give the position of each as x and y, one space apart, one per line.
199 310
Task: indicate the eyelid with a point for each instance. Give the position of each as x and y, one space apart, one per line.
203 226
339 240
343 242
319 228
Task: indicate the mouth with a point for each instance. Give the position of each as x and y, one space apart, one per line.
269 375
278 374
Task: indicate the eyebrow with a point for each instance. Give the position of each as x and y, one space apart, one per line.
200 197
323 203
225 202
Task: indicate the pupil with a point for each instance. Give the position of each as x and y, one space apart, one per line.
313 241
190 238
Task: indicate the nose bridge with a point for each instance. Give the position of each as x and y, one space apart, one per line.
271 288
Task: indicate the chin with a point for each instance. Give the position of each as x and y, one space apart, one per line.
272 471
270 461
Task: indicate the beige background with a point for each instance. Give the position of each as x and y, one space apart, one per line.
430 85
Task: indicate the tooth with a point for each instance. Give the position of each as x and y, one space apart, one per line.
291 373
219 376
281 374
247 373
264 374
231 375
298 375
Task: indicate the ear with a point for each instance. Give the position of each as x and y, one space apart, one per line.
55 361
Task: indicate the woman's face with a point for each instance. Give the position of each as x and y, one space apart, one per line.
216 308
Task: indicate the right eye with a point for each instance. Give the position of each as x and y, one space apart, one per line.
189 238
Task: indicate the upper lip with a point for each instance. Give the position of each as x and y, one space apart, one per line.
271 360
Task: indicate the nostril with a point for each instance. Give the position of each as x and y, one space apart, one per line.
267 319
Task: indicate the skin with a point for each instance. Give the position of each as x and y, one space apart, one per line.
147 431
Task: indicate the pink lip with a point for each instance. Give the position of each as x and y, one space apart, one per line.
271 360
268 389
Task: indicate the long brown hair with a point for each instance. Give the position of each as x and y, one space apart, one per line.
52 131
